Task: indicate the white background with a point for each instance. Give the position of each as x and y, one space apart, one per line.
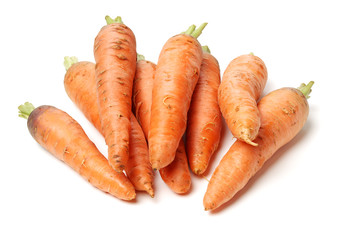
297 195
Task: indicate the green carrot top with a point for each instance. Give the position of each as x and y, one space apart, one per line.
206 49
140 57
25 110
69 61
306 89
110 20
195 32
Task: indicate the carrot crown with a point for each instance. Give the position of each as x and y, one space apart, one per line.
195 32
140 57
206 49
69 61
25 110
306 89
110 20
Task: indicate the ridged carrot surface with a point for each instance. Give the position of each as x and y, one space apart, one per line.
176 175
283 114
176 76
204 118
80 85
63 137
115 56
242 84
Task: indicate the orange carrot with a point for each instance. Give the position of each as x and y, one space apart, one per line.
142 92
176 76
115 55
80 85
138 168
204 118
62 136
242 84
176 175
283 114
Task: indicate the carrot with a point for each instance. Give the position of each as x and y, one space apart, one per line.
142 91
139 169
62 136
176 175
176 76
283 114
80 85
115 56
242 84
204 117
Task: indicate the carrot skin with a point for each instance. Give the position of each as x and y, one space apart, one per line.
242 84
142 93
204 117
175 79
176 175
115 56
139 169
80 85
283 114
62 136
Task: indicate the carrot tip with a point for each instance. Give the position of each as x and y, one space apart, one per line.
206 178
150 192
250 142
69 61
25 110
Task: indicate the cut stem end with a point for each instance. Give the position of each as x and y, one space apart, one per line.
110 20
306 89
206 49
25 110
69 61
140 57
199 30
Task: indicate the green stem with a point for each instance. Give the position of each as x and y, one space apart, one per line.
110 20
199 30
190 30
25 110
306 89
140 57
206 49
69 61
251 53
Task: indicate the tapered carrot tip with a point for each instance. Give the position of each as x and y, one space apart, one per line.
246 137
210 207
150 192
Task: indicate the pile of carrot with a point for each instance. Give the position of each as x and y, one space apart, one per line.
167 117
